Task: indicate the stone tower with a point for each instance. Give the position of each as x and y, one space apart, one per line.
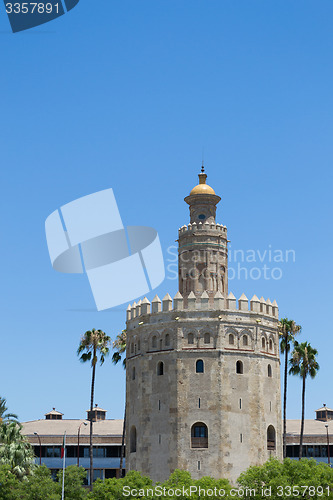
203 372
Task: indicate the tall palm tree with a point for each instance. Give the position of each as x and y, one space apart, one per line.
287 331
303 363
119 345
93 343
6 417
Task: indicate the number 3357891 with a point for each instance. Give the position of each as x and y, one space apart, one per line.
31 8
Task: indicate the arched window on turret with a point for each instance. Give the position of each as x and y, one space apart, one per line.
132 348
199 435
160 368
245 341
133 439
263 342
269 370
239 367
231 339
270 438
190 338
167 340
154 341
199 366
270 345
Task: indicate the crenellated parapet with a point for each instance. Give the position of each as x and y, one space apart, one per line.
202 303
190 228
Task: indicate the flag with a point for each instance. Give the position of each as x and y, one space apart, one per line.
63 446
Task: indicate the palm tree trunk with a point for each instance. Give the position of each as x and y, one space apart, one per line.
285 400
91 470
302 422
122 445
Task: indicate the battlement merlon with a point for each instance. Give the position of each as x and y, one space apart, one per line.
255 305
202 226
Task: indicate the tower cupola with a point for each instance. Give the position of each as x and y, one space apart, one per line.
202 201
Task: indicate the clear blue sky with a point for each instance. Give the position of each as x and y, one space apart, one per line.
125 95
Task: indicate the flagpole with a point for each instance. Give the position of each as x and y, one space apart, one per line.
63 469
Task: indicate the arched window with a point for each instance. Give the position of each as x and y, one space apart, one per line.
239 367
133 373
132 348
245 341
161 343
231 339
199 435
167 339
133 439
199 366
138 345
207 338
263 342
269 370
154 341
190 338
160 368
270 345
270 438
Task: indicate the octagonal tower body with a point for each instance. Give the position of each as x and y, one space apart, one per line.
203 371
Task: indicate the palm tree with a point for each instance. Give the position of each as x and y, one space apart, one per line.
120 347
92 343
6 417
303 363
287 330
15 450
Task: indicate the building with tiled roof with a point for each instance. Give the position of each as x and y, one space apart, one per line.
317 437
46 436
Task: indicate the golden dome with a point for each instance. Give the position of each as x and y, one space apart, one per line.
202 187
